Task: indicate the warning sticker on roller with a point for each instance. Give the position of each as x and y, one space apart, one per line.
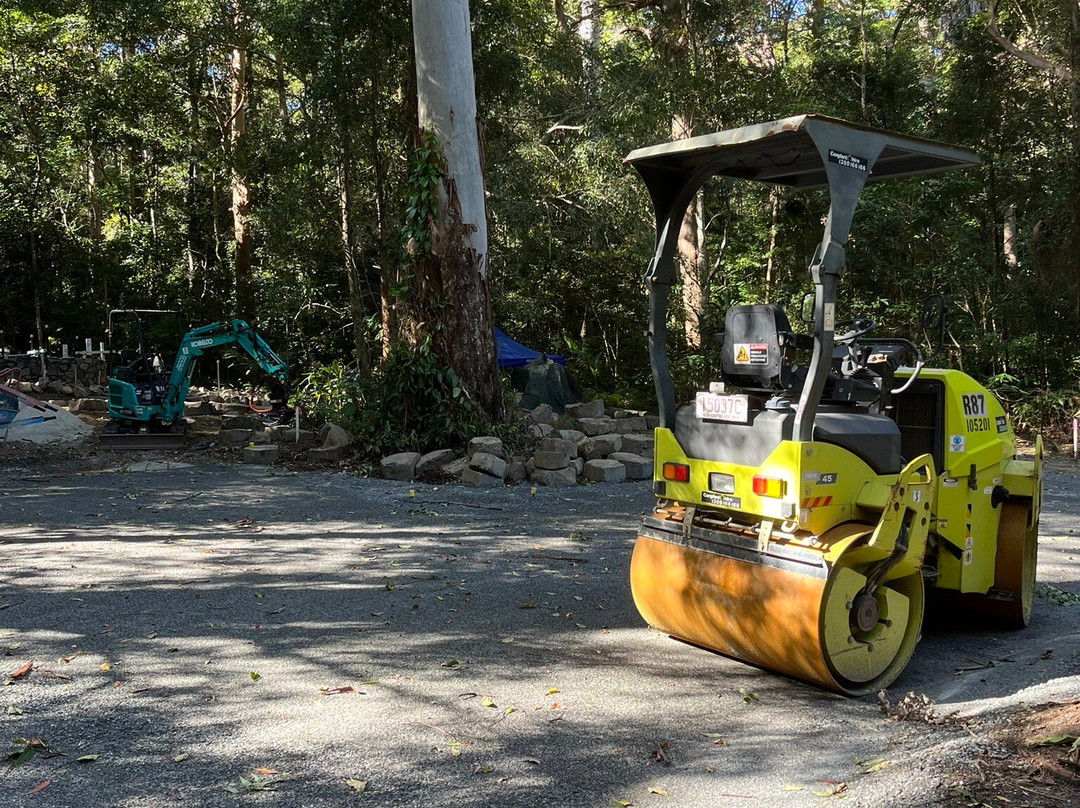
751 353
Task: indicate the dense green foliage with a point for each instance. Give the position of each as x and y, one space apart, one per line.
115 172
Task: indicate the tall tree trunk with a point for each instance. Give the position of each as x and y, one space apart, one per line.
690 253
241 197
37 288
195 247
588 31
774 219
457 273
352 274
690 248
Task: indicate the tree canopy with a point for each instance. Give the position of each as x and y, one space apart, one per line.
125 126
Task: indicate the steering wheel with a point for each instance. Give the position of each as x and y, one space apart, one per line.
858 327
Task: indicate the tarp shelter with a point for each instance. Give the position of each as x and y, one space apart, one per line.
513 354
540 378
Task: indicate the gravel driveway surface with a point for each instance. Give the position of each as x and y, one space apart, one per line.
193 625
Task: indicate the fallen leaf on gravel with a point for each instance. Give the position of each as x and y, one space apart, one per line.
833 788
13 710
533 761
87 758
620 803
277 611
20 672
655 790
552 691
330 691
748 696
873 765
510 710
451 663
481 770
527 606
254 676
487 702
793 788
356 785
44 784
105 666
261 770
1054 740
181 757
507 639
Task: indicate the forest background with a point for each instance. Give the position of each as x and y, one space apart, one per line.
261 158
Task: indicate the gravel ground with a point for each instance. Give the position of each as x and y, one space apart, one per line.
189 625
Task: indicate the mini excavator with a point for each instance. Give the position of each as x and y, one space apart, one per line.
146 402
812 497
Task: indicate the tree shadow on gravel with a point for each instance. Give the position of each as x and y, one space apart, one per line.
494 656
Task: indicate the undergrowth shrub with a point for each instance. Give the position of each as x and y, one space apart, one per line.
410 402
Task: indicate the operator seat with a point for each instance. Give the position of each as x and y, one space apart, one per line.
758 344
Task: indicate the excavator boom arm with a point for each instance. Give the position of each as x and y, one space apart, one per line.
198 340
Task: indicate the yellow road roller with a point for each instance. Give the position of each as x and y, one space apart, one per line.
829 484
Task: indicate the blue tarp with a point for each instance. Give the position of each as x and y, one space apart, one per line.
515 355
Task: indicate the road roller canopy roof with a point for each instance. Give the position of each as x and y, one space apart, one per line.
807 151
796 152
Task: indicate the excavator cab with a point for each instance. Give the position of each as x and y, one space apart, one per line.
813 493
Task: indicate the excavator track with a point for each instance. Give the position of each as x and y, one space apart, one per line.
787 608
118 438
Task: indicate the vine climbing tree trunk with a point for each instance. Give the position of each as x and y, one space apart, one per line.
452 280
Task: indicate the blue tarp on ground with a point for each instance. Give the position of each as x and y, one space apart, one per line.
515 355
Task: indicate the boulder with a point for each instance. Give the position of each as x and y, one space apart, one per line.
572 435
488 464
259 438
591 409
516 472
555 478
262 455
434 461
477 479
578 465
328 454
487 444
652 421
621 413
287 434
624 426
638 444
600 446
194 408
455 467
334 437
232 437
400 466
605 471
553 444
241 421
597 426
543 414
551 461
541 430
637 467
